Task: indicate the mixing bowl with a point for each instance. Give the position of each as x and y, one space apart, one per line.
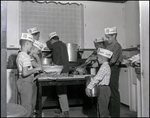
95 91
56 69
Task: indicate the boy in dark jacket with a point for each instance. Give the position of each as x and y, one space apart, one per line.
60 57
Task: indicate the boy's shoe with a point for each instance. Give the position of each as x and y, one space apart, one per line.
34 115
42 114
57 111
63 114
34 111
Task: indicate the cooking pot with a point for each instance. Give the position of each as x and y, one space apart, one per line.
95 91
72 49
45 61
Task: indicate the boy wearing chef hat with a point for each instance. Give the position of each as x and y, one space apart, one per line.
36 62
53 34
115 47
102 79
110 34
99 43
26 38
34 32
26 73
36 49
60 57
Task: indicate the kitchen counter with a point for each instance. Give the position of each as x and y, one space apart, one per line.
92 49
130 49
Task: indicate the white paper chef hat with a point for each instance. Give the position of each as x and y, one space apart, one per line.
27 36
112 30
33 30
38 44
51 35
99 40
104 52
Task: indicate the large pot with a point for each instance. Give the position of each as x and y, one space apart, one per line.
72 49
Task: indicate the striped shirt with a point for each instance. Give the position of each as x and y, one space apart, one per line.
23 60
102 77
117 53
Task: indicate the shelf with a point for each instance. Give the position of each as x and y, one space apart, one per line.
87 49
130 49
12 49
127 49
54 103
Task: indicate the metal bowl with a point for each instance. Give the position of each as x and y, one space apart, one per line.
95 91
56 69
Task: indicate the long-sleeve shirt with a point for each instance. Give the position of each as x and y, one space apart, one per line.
117 53
102 77
59 54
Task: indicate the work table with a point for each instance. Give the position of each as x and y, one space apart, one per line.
44 80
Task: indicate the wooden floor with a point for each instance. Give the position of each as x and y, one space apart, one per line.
79 111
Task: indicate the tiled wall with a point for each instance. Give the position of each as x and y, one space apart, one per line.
66 20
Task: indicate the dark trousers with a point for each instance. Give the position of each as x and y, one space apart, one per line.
62 96
114 103
103 101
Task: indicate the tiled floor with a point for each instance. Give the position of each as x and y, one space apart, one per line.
74 112
125 112
77 111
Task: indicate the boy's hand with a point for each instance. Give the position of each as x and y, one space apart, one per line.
47 56
46 48
52 64
81 70
95 64
38 69
35 55
137 63
88 60
87 91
